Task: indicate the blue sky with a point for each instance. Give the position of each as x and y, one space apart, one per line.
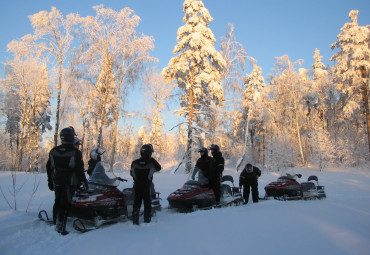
266 28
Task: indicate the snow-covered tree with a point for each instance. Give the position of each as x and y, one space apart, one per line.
27 82
197 69
253 86
157 90
352 68
53 33
289 103
114 49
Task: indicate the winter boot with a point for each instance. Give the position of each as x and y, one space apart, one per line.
147 217
135 217
61 226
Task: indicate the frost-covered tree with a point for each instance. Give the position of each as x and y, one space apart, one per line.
158 91
289 104
27 81
352 68
113 47
321 87
53 32
197 69
253 86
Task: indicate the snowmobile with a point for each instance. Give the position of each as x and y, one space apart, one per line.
192 196
286 187
103 202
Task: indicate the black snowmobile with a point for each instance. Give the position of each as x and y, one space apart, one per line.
286 187
103 202
192 196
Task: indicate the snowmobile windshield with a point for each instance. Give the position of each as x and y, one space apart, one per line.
287 177
191 184
100 177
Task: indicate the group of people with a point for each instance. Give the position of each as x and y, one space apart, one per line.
66 174
209 170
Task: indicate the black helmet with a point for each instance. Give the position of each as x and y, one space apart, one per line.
146 150
203 149
214 147
67 135
249 168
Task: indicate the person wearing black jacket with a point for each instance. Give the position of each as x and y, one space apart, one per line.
202 166
249 179
142 171
215 171
64 162
95 157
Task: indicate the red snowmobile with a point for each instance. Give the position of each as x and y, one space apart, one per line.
103 202
286 187
192 196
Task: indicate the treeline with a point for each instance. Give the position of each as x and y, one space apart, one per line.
79 71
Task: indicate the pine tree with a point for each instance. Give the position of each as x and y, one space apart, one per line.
197 69
352 68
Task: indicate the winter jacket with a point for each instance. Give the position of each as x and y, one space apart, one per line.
216 167
65 164
203 164
92 163
246 176
142 170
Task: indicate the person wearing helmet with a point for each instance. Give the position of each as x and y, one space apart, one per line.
249 179
215 171
95 157
77 142
142 171
64 162
202 166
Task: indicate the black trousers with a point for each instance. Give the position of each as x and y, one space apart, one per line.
216 186
250 184
143 193
62 202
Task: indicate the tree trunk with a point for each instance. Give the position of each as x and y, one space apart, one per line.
365 98
190 125
58 103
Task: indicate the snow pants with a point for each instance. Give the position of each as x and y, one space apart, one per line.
250 184
143 192
216 186
62 203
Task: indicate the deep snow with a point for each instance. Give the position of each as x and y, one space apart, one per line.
339 224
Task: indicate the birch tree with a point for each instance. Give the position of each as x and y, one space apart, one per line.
197 69
352 68
27 80
113 46
53 32
158 91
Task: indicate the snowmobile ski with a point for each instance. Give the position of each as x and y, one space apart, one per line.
43 216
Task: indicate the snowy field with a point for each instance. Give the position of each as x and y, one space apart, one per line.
337 225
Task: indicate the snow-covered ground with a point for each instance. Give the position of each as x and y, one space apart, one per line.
339 224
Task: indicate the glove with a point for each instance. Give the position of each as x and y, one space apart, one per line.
51 186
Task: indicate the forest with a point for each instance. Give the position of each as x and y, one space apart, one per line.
79 71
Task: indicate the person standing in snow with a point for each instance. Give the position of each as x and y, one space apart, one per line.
64 162
202 166
249 179
142 171
95 157
215 171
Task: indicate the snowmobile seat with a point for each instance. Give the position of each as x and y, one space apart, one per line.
228 178
313 178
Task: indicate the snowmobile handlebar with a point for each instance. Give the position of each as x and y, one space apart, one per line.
122 180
